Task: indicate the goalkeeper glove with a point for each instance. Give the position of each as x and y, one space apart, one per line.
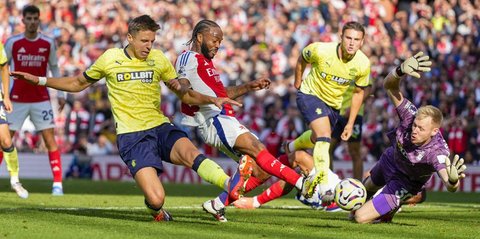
455 170
414 64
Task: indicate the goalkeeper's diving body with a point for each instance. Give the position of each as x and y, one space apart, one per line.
417 150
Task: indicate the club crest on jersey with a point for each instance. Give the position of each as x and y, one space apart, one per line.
151 62
338 79
143 76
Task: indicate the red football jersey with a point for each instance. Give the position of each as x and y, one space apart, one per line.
32 56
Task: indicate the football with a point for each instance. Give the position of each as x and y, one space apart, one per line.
350 194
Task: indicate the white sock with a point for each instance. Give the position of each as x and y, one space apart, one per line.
256 204
14 180
57 184
291 147
218 204
299 183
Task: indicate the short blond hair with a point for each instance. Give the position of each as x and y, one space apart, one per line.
431 111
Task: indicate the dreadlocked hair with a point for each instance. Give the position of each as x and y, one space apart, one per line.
201 27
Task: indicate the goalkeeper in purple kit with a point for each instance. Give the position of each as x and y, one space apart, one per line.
417 150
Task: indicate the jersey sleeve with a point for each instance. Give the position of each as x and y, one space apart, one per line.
97 70
311 53
406 112
168 71
439 161
186 65
364 78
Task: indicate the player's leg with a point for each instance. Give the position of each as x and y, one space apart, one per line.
11 157
304 141
320 118
354 148
148 181
248 144
143 157
41 115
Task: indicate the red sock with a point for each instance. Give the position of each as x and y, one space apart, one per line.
56 165
274 167
252 183
273 192
284 159
1 157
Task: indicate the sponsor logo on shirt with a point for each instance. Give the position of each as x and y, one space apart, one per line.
30 60
143 76
338 79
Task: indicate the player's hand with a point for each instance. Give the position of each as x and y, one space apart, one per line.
415 64
174 85
61 103
25 76
259 84
347 132
219 102
7 104
455 170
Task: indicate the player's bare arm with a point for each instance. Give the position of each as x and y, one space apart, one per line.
71 84
357 101
236 91
183 90
6 88
299 69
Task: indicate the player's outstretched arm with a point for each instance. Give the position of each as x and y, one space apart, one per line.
412 66
299 69
181 87
236 91
453 172
71 84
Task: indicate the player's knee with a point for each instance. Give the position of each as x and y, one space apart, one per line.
362 218
156 201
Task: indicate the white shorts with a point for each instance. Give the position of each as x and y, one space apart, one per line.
41 115
222 132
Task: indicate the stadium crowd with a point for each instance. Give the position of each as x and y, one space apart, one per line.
265 37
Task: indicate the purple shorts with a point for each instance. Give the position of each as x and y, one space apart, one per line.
395 187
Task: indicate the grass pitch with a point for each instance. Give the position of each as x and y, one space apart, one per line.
115 210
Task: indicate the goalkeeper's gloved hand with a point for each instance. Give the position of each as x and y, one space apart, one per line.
415 64
455 170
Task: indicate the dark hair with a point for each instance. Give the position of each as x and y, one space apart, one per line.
142 23
201 27
355 26
30 9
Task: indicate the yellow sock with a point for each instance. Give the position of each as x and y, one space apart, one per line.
211 172
321 158
12 162
303 141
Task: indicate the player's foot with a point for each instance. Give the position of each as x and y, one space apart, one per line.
218 214
332 207
236 185
21 192
57 191
244 203
310 184
162 216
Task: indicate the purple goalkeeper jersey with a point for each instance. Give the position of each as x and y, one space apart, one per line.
416 163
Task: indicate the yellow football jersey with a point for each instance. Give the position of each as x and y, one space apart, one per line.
133 87
347 99
330 77
3 55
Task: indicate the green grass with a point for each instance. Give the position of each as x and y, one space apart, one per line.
115 210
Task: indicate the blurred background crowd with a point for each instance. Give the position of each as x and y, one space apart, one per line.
266 37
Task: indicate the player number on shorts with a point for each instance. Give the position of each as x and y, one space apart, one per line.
47 115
